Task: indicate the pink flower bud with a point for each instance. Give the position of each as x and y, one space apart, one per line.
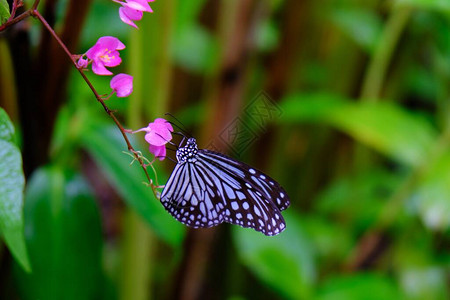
82 63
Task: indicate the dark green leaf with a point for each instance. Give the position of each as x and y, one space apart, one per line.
6 127
332 240
439 5
383 126
285 262
195 49
12 183
63 233
431 199
105 144
360 198
187 12
4 11
421 273
359 286
362 25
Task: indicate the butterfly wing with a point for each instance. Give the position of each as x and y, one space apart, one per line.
259 181
216 188
252 199
190 197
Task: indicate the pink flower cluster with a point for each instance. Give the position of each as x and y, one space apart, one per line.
159 133
105 53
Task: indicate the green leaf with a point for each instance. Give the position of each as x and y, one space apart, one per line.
63 233
187 12
4 11
362 25
105 145
267 36
285 262
431 199
422 272
439 5
6 127
12 183
332 240
195 49
383 126
425 282
365 286
358 198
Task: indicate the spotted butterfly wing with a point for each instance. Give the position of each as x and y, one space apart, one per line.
207 188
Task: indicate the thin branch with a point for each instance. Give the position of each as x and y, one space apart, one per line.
15 20
35 4
36 14
16 4
11 21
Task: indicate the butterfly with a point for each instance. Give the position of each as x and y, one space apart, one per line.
207 188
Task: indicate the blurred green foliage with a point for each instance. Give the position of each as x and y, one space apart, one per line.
12 183
362 146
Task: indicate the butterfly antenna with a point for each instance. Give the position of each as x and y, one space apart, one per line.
167 141
167 158
171 149
183 129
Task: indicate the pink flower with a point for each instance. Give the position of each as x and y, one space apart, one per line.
104 53
158 135
122 84
132 10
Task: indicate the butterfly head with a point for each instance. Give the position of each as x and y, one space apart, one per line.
188 152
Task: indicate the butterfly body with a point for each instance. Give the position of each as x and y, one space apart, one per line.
207 188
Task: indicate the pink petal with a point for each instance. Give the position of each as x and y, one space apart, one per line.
132 14
158 132
122 84
94 51
140 5
110 43
123 14
167 123
158 151
158 138
99 69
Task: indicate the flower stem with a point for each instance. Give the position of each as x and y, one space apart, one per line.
35 13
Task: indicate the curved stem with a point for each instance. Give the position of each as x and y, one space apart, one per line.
35 13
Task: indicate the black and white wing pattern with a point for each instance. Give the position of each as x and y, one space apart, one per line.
207 188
